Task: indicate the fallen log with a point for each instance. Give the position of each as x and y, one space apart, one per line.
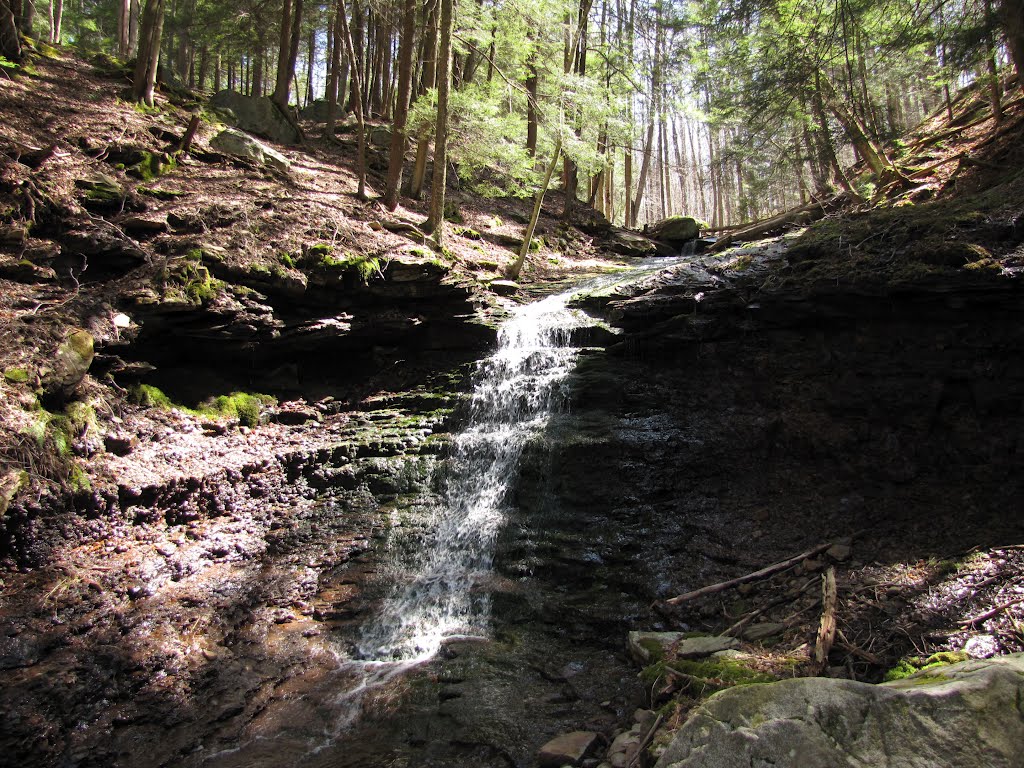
827 626
763 573
804 214
989 614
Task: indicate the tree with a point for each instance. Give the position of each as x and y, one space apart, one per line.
10 41
148 62
434 223
398 137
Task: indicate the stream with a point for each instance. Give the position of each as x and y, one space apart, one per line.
461 662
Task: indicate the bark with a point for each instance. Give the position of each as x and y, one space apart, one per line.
1011 16
26 17
144 84
10 41
357 102
398 137
434 225
288 50
517 266
334 82
419 169
123 16
531 104
134 17
871 153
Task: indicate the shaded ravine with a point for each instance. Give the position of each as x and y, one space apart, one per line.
440 597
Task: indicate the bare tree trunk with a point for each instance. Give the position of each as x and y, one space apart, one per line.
1011 14
357 101
27 17
517 266
134 16
419 168
531 103
144 84
123 22
435 219
10 41
334 83
398 138
288 50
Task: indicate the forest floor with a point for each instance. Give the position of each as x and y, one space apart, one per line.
67 126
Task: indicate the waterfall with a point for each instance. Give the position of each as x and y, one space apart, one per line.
517 389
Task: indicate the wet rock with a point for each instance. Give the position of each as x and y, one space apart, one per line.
839 552
965 715
567 749
239 144
259 115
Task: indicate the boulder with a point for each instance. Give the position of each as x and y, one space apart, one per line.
379 136
675 230
70 364
626 243
567 749
257 115
316 112
241 145
503 287
965 715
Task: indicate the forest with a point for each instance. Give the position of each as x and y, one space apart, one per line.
511 383
726 111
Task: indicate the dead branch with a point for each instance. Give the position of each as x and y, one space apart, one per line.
854 650
648 737
827 626
764 573
804 214
990 613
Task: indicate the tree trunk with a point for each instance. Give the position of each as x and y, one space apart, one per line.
134 18
517 266
288 50
419 168
398 138
27 17
334 82
149 52
531 103
10 41
123 22
357 102
1011 15
434 223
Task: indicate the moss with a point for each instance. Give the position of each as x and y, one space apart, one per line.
189 281
149 396
244 406
153 165
364 266
78 479
466 232
914 664
287 260
315 252
16 375
81 417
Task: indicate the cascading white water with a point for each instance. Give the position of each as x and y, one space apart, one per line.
517 390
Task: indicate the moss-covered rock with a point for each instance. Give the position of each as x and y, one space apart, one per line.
70 364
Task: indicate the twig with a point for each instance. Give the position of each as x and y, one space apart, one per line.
645 741
764 573
990 613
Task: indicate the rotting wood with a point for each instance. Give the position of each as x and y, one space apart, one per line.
190 134
763 573
804 214
827 626
990 613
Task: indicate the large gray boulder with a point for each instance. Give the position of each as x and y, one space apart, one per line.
675 230
242 145
257 115
967 715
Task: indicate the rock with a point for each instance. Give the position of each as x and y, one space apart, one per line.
648 647
11 482
237 143
839 552
257 115
504 287
627 243
379 136
120 443
675 230
295 415
567 749
965 715
317 111
144 225
756 632
70 364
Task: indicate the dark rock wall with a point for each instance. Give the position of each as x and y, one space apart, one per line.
720 433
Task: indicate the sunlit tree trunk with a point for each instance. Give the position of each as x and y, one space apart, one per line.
146 66
396 161
429 79
435 219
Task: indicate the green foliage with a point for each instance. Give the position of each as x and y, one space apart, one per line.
244 406
188 281
287 260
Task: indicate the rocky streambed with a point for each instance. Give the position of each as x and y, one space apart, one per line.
729 421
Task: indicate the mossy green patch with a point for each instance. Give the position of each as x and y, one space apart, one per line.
713 673
914 664
16 375
159 194
152 165
149 396
244 406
